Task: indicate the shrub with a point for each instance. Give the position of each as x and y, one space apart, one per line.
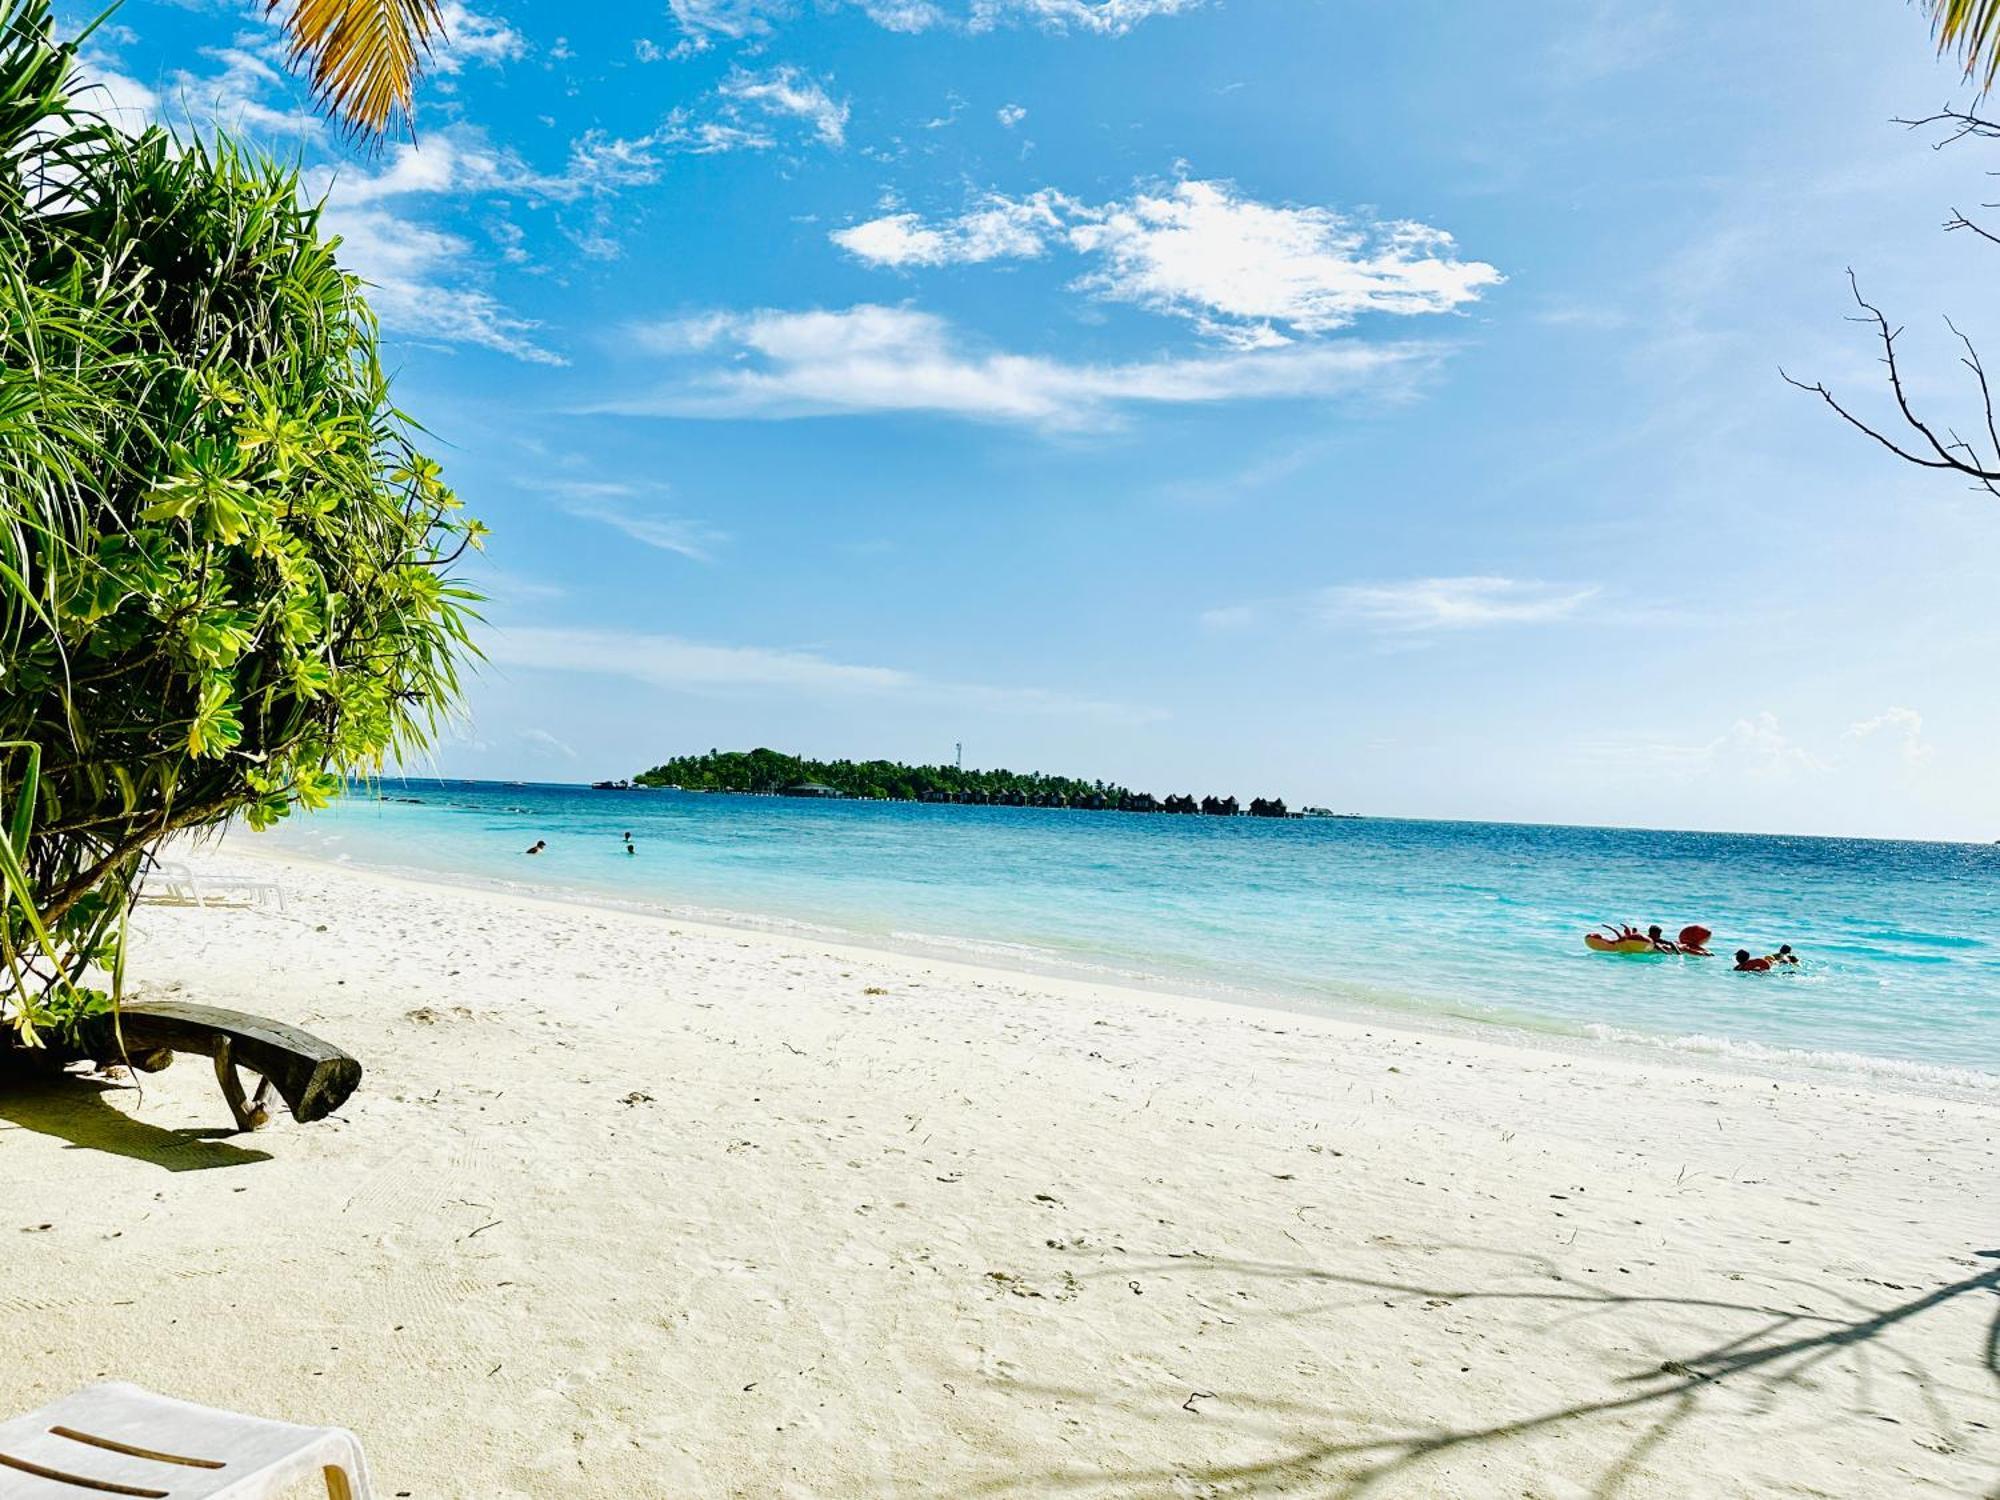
224 567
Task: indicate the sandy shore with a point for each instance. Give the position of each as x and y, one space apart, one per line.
627 1206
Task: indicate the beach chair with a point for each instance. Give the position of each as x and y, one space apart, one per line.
117 1439
179 885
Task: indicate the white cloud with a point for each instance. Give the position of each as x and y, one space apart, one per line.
686 135
620 506
790 91
1252 274
904 15
1756 748
736 119
705 22
472 37
123 101
414 274
460 160
646 50
1010 115
237 99
1904 724
999 228
1452 603
675 662
884 359
702 21
1103 17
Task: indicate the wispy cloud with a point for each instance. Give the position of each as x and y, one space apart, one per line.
998 229
503 586
542 740
1252 274
871 358
790 91
625 508
473 37
418 278
675 662
1756 748
1101 17
247 93
704 23
1010 115
1904 725
1424 604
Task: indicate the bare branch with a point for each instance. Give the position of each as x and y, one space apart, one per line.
1961 123
1959 221
1819 390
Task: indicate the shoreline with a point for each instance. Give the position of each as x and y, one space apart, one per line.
627 1205
1356 1006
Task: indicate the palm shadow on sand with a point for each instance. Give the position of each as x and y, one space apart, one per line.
80 1111
1782 1350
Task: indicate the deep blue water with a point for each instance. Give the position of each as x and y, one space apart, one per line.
1475 921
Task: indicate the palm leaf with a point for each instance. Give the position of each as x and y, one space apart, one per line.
363 55
1971 30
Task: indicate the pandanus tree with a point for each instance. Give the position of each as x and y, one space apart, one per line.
225 569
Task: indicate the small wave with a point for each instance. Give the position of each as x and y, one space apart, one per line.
1919 938
1889 1069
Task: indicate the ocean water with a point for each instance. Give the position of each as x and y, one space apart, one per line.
1461 923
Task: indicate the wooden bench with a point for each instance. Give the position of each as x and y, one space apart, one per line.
313 1077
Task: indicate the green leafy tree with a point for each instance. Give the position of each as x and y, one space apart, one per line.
768 771
224 567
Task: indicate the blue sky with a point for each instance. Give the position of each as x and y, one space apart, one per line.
1370 404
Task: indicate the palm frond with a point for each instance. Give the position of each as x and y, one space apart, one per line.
363 55
1970 29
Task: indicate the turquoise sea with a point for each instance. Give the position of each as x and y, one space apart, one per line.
1452 922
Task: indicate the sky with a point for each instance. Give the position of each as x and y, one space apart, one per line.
1373 405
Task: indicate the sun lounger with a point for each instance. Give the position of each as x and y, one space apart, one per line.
313 1077
176 884
117 1439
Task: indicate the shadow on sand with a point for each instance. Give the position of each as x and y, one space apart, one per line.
1782 1350
80 1111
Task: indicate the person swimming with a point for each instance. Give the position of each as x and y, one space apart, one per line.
1659 941
1745 964
537 847
1785 955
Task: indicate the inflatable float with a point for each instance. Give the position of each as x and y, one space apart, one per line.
1690 940
1597 942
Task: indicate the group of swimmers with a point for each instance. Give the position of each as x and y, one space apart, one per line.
1784 957
1693 941
540 844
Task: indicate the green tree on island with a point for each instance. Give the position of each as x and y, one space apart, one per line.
224 567
768 771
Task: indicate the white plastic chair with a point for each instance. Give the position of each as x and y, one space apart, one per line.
117 1439
181 886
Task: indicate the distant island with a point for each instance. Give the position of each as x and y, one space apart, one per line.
769 772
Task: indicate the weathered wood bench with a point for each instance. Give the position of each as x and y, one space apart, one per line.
313 1077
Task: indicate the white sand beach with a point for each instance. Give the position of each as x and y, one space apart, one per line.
628 1206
